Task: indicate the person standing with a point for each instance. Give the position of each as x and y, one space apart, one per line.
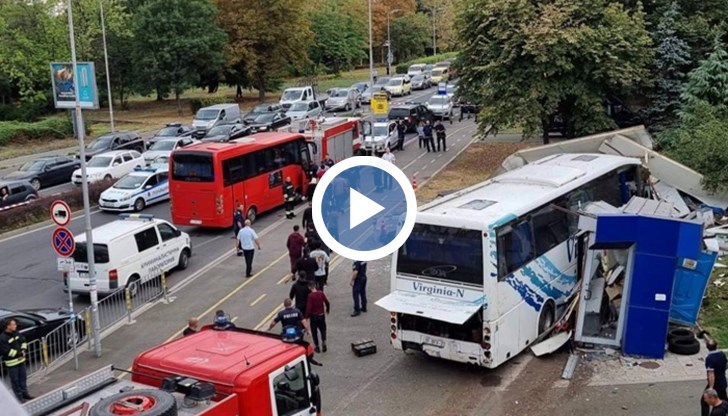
307 215
321 274
299 291
295 245
311 188
386 177
14 350
307 265
401 132
421 134
248 240
427 130
715 369
289 197
328 162
716 405
317 307
191 327
441 138
222 321
359 287
289 317
238 219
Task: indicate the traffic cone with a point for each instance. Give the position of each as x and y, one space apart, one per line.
414 181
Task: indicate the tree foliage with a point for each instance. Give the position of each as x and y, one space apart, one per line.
527 60
176 40
708 83
340 37
411 35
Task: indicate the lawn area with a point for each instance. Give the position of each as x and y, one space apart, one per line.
714 315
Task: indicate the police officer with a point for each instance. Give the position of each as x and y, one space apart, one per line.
429 141
441 138
359 287
14 350
289 317
289 197
238 223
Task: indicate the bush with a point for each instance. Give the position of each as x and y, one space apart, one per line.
51 128
402 67
38 210
197 103
25 111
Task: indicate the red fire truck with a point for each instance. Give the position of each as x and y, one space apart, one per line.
338 137
236 372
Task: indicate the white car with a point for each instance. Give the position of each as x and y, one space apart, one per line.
384 134
164 147
136 190
106 166
441 106
398 86
303 110
160 162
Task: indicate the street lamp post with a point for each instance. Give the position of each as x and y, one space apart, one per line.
434 28
371 49
106 60
81 130
389 44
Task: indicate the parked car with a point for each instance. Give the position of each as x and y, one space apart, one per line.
383 135
428 69
361 87
269 122
262 109
17 191
46 171
227 132
109 165
136 190
398 86
381 83
420 82
302 110
34 324
411 114
441 106
416 69
166 146
343 99
209 117
119 140
171 130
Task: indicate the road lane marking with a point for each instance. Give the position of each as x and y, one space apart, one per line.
234 319
255 302
426 152
268 317
448 162
284 279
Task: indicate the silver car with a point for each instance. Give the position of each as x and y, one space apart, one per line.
441 106
302 110
383 135
343 99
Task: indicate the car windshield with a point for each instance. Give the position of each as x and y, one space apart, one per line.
130 182
382 81
264 118
207 114
379 131
429 67
291 95
415 68
437 72
418 78
370 91
33 166
263 108
161 160
438 100
100 143
99 162
219 131
451 89
340 93
395 81
168 131
163 145
299 106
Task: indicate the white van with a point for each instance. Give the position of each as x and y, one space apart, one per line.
416 69
133 249
297 94
209 117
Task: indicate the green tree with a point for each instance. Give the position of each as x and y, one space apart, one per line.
411 35
673 57
708 83
338 37
525 61
267 40
175 41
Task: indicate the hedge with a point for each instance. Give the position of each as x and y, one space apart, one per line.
197 103
402 68
51 128
39 209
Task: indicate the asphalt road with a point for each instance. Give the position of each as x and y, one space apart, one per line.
31 280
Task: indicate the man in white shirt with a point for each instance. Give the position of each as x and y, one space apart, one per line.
248 240
389 157
322 260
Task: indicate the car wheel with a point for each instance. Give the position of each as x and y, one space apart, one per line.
139 204
547 318
35 183
347 107
184 259
251 214
133 285
30 198
107 177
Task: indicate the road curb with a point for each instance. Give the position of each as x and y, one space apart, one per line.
39 225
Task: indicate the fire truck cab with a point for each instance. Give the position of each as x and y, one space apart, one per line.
235 372
338 137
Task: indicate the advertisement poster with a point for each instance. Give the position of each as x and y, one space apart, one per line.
64 94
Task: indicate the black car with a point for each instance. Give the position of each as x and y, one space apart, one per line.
120 140
35 324
46 171
170 131
262 109
16 192
226 132
269 122
411 114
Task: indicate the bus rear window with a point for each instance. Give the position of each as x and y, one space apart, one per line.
445 253
101 253
192 167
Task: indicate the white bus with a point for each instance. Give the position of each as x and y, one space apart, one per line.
486 269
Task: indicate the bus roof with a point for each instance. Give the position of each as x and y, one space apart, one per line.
519 191
230 357
250 143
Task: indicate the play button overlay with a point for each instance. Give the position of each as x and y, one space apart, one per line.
364 208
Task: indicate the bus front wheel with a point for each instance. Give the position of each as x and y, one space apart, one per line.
547 318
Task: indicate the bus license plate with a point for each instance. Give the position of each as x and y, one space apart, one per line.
196 222
433 342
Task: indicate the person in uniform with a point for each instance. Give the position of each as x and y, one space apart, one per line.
289 197
441 138
289 317
191 327
359 287
14 351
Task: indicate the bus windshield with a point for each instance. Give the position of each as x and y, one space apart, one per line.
446 253
192 167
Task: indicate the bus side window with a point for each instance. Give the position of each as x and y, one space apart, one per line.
515 248
550 228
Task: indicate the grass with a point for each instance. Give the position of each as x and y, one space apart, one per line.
714 315
30 148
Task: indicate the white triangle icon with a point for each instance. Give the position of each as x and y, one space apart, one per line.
361 208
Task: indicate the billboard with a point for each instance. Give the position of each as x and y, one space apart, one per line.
64 95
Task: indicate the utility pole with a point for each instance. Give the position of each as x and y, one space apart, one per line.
108 75
371 49
434 32
389 44
81 130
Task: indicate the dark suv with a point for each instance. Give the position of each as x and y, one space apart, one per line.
411 113
16 192
120 140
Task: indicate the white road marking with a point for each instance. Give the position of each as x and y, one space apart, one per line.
258 300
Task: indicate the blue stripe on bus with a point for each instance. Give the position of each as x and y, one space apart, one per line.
529 291
530 296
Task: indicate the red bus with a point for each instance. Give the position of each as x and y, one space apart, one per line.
208 180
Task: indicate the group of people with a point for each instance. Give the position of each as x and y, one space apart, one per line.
426 133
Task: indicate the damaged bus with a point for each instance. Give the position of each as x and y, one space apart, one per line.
488 269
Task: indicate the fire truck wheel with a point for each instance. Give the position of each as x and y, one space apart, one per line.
150 402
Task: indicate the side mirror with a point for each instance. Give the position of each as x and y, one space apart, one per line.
116 164
177 232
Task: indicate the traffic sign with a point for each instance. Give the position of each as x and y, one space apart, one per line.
62 242
65 264
60 213
379 103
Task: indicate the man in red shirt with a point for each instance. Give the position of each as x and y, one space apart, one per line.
317 307
295 245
